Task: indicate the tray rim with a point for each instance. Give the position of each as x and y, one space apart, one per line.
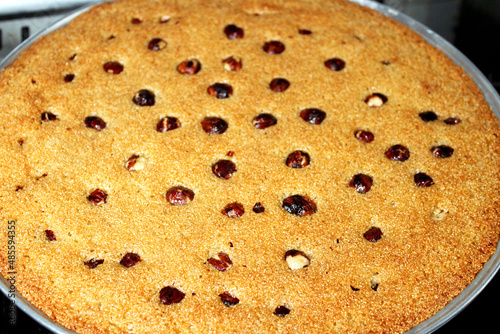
450 310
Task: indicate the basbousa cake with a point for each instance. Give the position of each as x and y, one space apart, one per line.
244 166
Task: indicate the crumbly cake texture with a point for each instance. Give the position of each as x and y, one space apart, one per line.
379 261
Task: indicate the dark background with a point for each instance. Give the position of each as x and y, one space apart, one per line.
477 36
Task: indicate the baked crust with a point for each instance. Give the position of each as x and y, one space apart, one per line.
351 284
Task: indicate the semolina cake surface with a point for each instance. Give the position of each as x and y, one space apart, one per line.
138 141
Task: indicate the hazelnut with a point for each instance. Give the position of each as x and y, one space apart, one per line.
135 163
113 67
362 183
428 116
95 123
224 169
274 47
170 295
423 180
179 195
69 77
281 311
258 208
144 98
364 136
376 100
233 210
92 263
373 234
98 197
50 235
48 116
220 90
297 259
298 159
157 44
214 125
233 32
279 85
335 64
398 153
221 261
228 300
438 214
313 115
442 151
452 121
299 205
168 124
130 259
232 63
263 121
191 67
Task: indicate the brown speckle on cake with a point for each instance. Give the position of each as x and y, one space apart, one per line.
274 47
263 121
144 98
113 67
157 44
179 195
398 153
98 197
130 260
335 64
224 169
92 263
233 32
281 311
279 85
305 32
50 235
376 100
299 205
297 259
191 66
220 90
214 125
362 183
170 295
168 123
442 151
232 63
228 300
233 210
313 115
298 159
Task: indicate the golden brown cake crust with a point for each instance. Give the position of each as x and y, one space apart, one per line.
434 239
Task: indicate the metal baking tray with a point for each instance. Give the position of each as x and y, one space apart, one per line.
431 324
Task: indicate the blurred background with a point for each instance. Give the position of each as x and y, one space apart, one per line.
473 26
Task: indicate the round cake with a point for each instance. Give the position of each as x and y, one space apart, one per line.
257 166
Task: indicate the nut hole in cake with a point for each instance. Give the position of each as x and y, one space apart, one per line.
233 32
298 159
279 85
264 120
